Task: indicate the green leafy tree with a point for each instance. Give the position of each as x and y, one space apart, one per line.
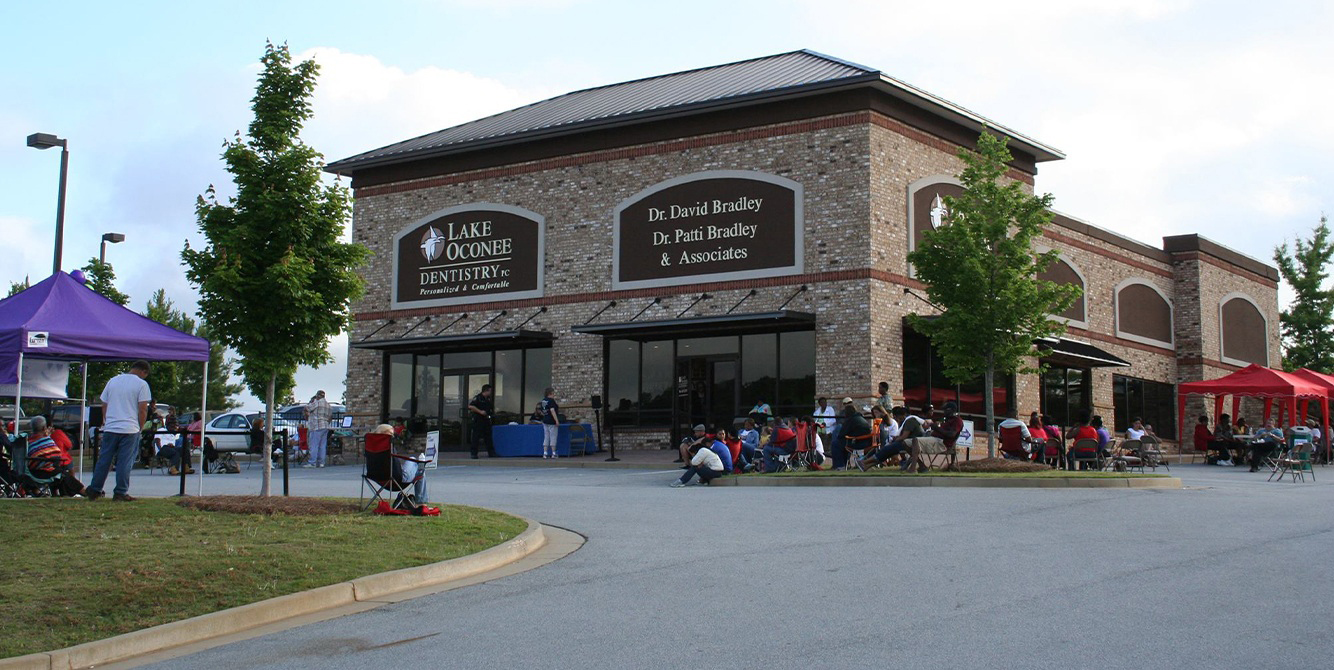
19 286
981 271
1307 326
275 281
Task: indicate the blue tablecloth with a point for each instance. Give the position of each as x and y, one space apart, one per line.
526 440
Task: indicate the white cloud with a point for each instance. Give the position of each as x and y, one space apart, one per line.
361 103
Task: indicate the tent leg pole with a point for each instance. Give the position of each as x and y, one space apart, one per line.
83 420
203 426
18 399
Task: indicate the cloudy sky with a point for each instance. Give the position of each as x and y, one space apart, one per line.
1176 116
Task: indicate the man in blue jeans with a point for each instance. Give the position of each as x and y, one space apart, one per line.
124 410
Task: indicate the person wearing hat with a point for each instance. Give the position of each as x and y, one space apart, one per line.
700 437
854 433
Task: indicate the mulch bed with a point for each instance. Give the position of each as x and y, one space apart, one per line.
997 465
270 505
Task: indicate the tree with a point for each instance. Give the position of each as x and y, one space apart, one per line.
275 281
1307 326
19 286
980 269
177 383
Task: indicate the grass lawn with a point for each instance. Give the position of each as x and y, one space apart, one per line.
75 571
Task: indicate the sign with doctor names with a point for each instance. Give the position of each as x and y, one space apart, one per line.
471 253
708 226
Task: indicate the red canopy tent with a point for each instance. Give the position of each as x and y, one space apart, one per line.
1258 382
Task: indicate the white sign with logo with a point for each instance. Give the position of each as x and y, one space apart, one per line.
39 339
432 453
966 437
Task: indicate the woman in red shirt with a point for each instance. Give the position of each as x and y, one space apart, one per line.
1202 434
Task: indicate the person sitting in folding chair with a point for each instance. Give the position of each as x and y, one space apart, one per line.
1267 440
47 465
1015 437
388 472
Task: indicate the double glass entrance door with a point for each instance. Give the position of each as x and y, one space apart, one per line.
457 387
706 392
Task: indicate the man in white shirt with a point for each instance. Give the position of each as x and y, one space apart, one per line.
124 410
703 462
825 414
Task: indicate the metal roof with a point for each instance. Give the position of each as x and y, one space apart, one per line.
693 91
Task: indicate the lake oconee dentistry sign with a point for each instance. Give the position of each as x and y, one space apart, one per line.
478 252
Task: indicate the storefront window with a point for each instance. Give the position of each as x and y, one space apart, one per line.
924 381
655 392
1065 394
471 359
622 377
796 369
398 404
536 378
1153 402
427 376
706 346
759 368
508 386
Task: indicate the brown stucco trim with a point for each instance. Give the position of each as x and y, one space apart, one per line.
1120 241
1223 265
1181 246
1093 248
656 292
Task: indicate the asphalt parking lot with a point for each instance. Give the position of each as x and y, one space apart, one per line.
1231 571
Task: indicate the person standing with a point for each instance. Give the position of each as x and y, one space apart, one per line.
124 409
318 414
882 398
550 422
481 410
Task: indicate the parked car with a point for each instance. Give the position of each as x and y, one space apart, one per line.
230 431
7 416
68 418
294 416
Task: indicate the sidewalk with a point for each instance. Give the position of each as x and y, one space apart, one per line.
639 459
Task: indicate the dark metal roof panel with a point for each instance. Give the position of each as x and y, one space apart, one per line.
720 82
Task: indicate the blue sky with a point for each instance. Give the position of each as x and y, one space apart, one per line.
1176 116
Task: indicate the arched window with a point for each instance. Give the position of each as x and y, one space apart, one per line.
1243 330
1064 272
926 205
1143 313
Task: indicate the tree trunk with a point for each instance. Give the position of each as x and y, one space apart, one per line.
268 437
989 402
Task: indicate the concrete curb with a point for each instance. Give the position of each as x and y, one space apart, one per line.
237 619
961 482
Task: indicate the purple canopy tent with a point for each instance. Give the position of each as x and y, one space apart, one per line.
61 319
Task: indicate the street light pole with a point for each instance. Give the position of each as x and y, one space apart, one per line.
46 141
114 238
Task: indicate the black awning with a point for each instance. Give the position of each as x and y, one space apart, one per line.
1078 354
464 342
699 326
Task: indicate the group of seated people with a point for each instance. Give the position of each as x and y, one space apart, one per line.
49 463
711 452
1227 443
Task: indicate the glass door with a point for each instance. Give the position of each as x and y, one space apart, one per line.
457 387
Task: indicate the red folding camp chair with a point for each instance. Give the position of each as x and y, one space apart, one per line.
379 473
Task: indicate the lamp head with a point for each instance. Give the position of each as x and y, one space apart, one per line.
45 141
114 238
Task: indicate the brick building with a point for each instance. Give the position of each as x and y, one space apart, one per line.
685 246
